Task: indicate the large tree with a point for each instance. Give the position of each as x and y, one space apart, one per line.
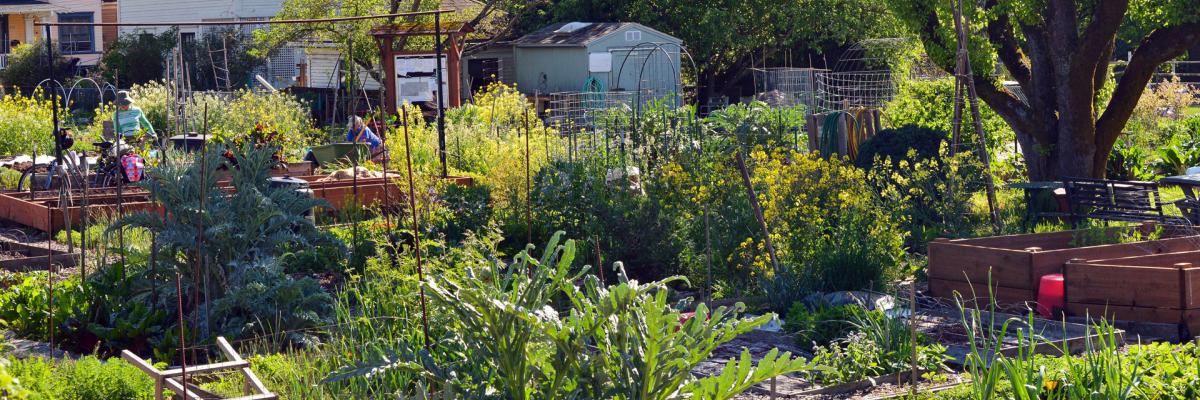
1059 52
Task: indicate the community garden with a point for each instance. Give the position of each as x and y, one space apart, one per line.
650 250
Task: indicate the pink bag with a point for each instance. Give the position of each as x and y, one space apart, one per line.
134 166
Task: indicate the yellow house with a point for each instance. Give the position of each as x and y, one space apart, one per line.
17 19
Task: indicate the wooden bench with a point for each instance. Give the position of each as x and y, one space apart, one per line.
1128 201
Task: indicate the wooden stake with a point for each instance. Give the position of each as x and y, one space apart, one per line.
528 186
912 331
412 209
758 214
965 76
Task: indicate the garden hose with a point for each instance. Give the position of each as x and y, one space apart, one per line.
829 134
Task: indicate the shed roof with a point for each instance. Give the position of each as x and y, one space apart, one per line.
548 37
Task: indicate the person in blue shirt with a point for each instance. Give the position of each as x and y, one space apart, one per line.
358 132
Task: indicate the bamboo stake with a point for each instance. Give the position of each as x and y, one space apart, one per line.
965 76
758 214
528 186
412 204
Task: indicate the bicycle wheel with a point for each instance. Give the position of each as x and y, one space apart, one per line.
29 178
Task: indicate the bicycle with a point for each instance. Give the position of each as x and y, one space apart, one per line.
108 170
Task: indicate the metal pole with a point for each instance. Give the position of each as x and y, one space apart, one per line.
50 279
441 105
54 101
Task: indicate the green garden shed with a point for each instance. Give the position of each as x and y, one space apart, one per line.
597 56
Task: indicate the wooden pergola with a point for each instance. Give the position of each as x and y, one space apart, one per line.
454 34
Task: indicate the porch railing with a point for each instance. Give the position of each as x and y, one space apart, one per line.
3 61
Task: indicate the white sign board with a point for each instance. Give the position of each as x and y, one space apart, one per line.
416 79
600 62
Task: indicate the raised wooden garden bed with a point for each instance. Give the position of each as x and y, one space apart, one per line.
946 327
44 211
1014 264
22 257
1158 288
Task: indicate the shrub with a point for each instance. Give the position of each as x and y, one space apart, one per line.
829 228
230 117
136 58
895 144
25 124
615 221
26 66
931 197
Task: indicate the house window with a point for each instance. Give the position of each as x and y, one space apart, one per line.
76 39
633 36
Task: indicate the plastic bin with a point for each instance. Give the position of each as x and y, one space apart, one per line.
1051 297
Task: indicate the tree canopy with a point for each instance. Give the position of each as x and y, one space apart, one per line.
1060 54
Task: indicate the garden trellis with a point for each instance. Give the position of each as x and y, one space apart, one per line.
177 71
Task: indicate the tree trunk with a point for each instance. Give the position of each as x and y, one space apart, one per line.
1039 162
1060 62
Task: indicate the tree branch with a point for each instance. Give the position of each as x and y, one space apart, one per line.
1006 104
1000 32
1099 35
1100 74
1158 47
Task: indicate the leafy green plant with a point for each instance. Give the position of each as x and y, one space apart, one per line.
88 378
10 385
25 307
1102 235
243 235
622 340
820 326
878 345
266 302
